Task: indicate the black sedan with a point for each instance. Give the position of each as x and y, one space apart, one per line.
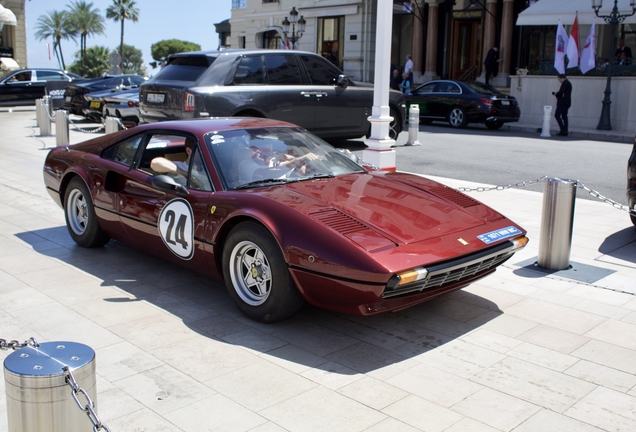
460 103
24 86
631 183
76 103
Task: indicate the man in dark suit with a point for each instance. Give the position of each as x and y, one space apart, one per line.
492 58
564 101
619 58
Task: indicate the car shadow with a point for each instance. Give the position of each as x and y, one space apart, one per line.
621 245
315 338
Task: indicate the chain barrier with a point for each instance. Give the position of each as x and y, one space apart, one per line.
14 344
90 131
121 124
580 185
89 408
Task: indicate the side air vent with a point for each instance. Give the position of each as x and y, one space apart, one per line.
338 221
454 196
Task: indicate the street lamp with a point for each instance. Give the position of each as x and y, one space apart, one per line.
613 19
293 20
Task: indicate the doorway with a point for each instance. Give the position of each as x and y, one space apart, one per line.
466 49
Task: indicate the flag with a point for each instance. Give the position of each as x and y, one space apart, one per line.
572 50
559 49
282 44
588 55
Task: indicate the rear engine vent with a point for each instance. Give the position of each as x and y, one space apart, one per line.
338 221
454 196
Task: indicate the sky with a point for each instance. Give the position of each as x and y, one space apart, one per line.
189 20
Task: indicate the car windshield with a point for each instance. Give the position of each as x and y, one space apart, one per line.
481 88
263 156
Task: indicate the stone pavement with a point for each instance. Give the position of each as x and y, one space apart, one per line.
523 350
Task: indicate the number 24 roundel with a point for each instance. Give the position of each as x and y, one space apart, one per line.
176 228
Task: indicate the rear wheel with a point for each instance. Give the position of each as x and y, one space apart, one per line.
494 125
457 118
256 275
81 219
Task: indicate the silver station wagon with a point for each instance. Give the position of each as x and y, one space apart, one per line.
294 86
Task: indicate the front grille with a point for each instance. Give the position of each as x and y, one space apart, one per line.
456 271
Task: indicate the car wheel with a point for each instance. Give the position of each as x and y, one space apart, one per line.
632 215
457 117
81 219
256 274
395 127
494 125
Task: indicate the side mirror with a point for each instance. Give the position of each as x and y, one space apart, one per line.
343 81
168 184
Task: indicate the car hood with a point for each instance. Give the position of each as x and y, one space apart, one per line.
402 207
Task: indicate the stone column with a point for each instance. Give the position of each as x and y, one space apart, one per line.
431 42
418 40
490 33
506 41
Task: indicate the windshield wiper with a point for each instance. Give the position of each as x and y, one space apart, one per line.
264 181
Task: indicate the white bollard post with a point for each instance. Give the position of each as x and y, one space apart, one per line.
38 103
61 128
414 126
112 125
547 116
45 120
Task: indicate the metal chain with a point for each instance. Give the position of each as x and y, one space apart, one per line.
502 187
14 344
605 199
121 124
89 408
91 131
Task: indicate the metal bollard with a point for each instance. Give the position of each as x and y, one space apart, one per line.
557 221
414 125
547 116
38 103
112 125
45 120
38 397
61 128
47 100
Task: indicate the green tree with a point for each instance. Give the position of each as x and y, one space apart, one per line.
93 63
85 21
164 48
55 25
121 10
132 61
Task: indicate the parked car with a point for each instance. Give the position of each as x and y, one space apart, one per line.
299 87
122 104
25 86
280 215
460 103
76 103
631 183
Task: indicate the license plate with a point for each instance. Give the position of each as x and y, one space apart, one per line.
505 102
67 98
96 105
155 97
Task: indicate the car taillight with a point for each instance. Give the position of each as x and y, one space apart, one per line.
133 104
188 101
485 101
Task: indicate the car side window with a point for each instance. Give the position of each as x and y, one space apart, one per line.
320 70
123 152
447 87
282 70
198 179
51 76
427 88
249 71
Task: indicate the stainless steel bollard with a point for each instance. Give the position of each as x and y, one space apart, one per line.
38 104
557 221
45 120
49 106
414 125
112 125
61 128
547 116
38 397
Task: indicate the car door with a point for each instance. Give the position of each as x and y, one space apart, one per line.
168 224
448 94
340 110
18 88
424 96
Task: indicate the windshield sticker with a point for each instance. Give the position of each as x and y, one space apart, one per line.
176 228
500 234
217 139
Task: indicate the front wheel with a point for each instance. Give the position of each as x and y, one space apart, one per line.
395 127
457 118
256 275
81 219
494 125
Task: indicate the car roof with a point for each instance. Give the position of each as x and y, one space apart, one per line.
214 53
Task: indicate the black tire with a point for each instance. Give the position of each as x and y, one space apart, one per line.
494 125
256 275
457 117
81 219
395 127
633 218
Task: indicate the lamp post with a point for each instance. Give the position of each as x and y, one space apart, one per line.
614 18
293 21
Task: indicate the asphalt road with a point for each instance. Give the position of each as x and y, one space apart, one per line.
506 157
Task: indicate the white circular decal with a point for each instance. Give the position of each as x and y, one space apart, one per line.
176 228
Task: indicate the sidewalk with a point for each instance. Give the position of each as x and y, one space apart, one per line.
523 350
588 133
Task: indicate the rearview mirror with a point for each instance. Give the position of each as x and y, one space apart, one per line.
343 81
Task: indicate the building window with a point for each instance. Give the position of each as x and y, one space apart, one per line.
331 39
269 40
241 41
239 4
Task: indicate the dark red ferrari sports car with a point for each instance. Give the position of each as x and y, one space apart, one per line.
281 216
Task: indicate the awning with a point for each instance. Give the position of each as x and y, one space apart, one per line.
549 12
8 64
7 17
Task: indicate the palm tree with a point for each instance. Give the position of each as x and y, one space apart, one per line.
56 26
85 21
122 10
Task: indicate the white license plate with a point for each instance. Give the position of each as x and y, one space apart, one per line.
505 102
67 98
155 97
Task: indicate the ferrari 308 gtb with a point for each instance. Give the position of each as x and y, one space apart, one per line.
278 214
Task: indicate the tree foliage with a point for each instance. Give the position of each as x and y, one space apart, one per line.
85 21
164 48
95 62
55 25
132 61
121 10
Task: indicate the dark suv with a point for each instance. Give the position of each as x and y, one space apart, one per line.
294 86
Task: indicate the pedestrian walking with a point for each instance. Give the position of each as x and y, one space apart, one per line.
564 101
491 63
